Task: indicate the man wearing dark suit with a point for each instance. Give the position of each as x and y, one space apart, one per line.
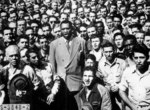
67 56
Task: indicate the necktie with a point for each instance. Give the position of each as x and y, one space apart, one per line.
68 46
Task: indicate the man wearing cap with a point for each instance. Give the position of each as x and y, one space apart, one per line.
136 80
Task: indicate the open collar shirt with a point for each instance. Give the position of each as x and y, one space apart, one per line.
137 84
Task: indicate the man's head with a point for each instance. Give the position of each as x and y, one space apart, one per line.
88 76
43 42
33 57
96 42
44 18
56 32
109 51
130 41
139 37
12 55
146 26
109 22
66 29
21 25
90 60
91 30
46 29
140 56
147 40
119 40
23 42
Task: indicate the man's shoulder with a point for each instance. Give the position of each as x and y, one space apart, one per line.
129 70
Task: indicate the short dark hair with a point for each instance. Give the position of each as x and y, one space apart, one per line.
66 22
117 34
89 68
108 44
91 56
141 48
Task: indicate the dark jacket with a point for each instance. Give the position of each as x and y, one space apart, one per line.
99 98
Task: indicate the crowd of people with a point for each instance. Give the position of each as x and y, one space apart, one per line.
75 54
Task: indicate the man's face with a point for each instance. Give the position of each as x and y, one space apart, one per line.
104 12
147 10
43 44
134 30
113 9
108 53
13 17
117 21
36 17
92 17
45 19
7 34
81 12
21 25
52 21
73 17
83 32
91 31
57 32
142 20
95 43
30 34
88 78
4 15
35 27
54 6
119 41
139 59
46 30
65 30
43 10
13 57
23 43
129 45
139 38
23 55
147 41
33 58
122 10
21 14
99 27
146 27
84 3
63 17
110 23
89 62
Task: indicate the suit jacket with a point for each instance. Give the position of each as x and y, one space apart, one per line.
68 65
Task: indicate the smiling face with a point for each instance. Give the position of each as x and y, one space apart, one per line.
88 78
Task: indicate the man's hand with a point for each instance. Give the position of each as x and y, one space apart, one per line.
50 98
114 88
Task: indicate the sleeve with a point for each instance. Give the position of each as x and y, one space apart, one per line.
56 85
106 101
52 56
123 84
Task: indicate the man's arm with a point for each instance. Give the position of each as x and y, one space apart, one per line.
52 56
125 98
106 101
